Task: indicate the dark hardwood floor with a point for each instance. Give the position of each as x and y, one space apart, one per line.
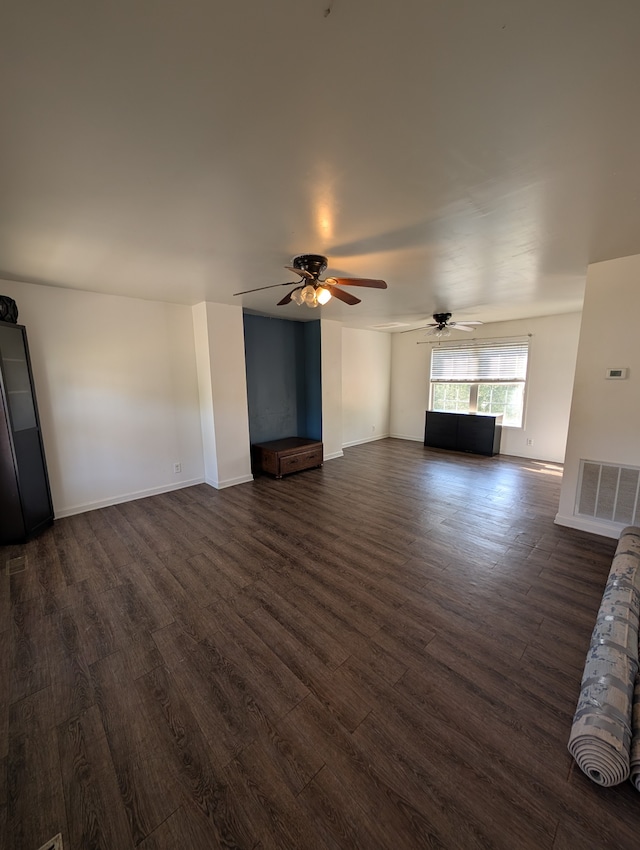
382 653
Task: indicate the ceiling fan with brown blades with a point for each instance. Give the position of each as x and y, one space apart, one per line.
442 326
312 290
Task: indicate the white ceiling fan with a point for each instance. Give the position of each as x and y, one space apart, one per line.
442 326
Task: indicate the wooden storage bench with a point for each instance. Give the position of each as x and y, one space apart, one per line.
280 457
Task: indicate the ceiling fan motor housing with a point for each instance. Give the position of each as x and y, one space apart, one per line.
441 319
315 264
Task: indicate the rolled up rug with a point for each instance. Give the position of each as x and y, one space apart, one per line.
634 761
600 739
601 733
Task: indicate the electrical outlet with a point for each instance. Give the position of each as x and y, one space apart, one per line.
177 467
529 441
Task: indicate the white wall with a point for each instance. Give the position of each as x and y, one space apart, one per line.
366 385
552 359
410 365
117 392
205 392
222 383
605 414
331 370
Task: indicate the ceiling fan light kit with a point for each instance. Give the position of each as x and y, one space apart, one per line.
297 297
313 290
313 295
323 295
309 296
440 332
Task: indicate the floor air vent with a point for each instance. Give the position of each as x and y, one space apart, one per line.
54 843
609 492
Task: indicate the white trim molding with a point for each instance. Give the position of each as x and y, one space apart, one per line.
125 497
366 440
592 526
230 482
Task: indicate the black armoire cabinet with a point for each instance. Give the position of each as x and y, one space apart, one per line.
25 499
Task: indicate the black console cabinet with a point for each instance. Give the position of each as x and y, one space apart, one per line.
463 432
25 498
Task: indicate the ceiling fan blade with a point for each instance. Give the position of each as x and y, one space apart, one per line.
287 298
463 324
456 327
357 281
341 295
301 272
271 286
421 328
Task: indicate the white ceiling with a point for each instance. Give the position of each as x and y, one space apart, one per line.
476 155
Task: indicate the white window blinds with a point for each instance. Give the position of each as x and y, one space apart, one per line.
483 362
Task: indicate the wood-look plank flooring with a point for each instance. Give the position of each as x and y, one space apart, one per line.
382 653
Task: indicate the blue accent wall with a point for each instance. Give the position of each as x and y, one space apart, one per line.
313 381
284 389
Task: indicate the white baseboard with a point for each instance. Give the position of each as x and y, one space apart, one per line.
593 526
367 440
125 497
407 437
229 482
333 455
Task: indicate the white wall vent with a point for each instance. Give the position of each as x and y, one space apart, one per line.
609 493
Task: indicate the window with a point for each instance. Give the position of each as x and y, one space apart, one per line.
481 377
